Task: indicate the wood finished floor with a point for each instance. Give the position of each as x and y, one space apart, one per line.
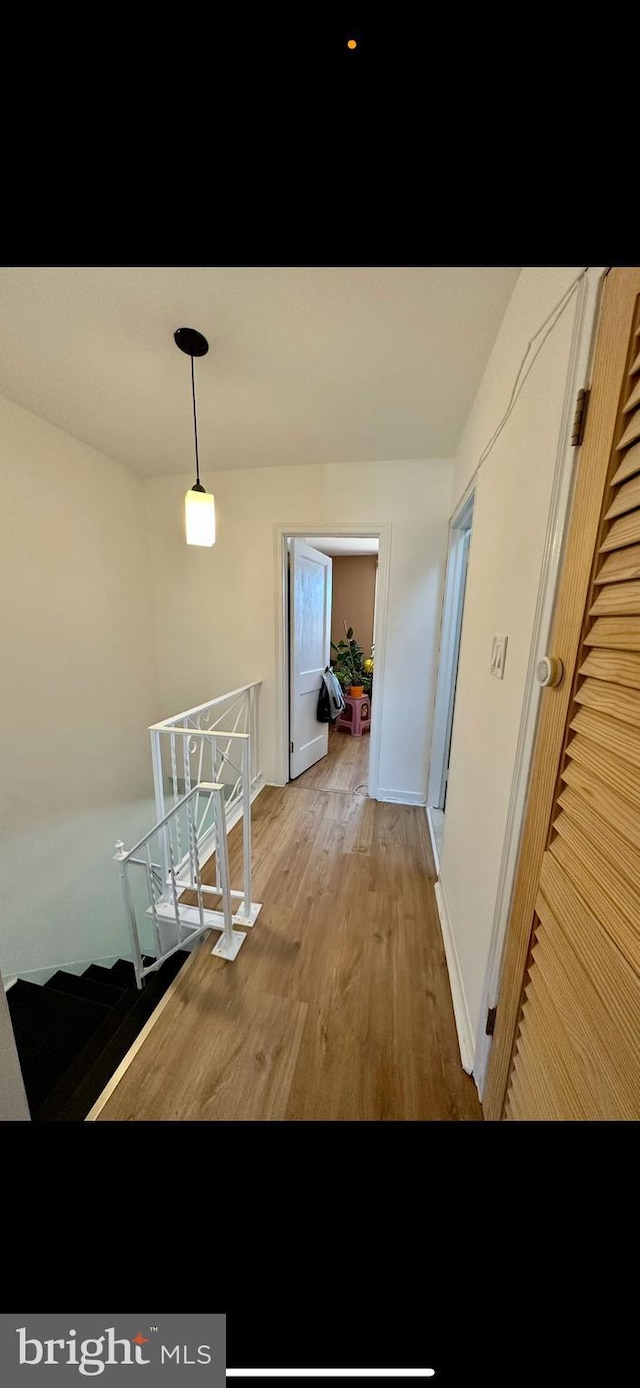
338 1005
346 767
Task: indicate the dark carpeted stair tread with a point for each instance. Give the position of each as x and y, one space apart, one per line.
167 971
99 974
94 1067
50 1029
82 987
123 969
51 1109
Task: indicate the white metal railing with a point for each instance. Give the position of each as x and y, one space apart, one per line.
201 743
217 741
160 920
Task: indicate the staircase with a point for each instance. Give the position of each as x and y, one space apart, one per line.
72 1033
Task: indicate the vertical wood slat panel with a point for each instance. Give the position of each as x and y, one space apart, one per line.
624 859
532 1095
627 498
619 703
614 598
613 979
604 801
612 903
629 466
632 431
616 667
559 1061
575 1057
614 772
622 532
620 738
615 633
597 462
619 566
610 1063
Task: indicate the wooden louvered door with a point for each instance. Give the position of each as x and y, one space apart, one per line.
567 1040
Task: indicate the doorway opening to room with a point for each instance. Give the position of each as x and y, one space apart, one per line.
334 584
450 635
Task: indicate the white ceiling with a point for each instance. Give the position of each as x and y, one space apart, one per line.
337 545
306 364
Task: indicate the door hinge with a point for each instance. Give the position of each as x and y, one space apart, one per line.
291 747
580 417
491 1021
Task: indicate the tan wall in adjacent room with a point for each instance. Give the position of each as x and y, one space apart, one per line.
354 589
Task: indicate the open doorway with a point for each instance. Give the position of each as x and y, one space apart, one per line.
451 631
331 580
336 755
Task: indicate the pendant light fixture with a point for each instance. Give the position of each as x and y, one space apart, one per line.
199 505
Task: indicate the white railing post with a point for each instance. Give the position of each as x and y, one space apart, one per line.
158 791
214 777
230 940
246 826
120 857
253 731
174 891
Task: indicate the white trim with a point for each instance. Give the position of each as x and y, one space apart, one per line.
376 529
578 375
458 997
450 637
434 846
400 797
330 1373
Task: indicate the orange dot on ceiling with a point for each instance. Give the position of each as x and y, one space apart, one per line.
351 43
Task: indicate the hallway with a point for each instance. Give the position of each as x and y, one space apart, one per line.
338 1006
345 767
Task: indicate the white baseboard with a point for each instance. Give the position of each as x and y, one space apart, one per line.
400 797
434 846
460 1009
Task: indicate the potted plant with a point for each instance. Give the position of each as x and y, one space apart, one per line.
350 666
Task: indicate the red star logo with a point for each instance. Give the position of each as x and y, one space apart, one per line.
140 1339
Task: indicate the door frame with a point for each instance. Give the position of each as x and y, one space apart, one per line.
450 636
308 743
381 531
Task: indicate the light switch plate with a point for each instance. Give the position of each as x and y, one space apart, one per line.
498 656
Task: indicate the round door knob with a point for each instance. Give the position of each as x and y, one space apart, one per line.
549 671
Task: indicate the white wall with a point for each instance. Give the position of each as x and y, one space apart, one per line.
13 1100
216 608
79 688
509 525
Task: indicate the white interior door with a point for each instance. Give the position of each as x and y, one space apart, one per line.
309 650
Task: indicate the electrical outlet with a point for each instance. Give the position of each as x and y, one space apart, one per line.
498 656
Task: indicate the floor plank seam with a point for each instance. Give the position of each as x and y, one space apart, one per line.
327 790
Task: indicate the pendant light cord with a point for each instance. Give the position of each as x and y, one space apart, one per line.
195 422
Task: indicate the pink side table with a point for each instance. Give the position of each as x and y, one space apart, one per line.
356 718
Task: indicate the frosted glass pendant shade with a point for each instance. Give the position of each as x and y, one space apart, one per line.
200 518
